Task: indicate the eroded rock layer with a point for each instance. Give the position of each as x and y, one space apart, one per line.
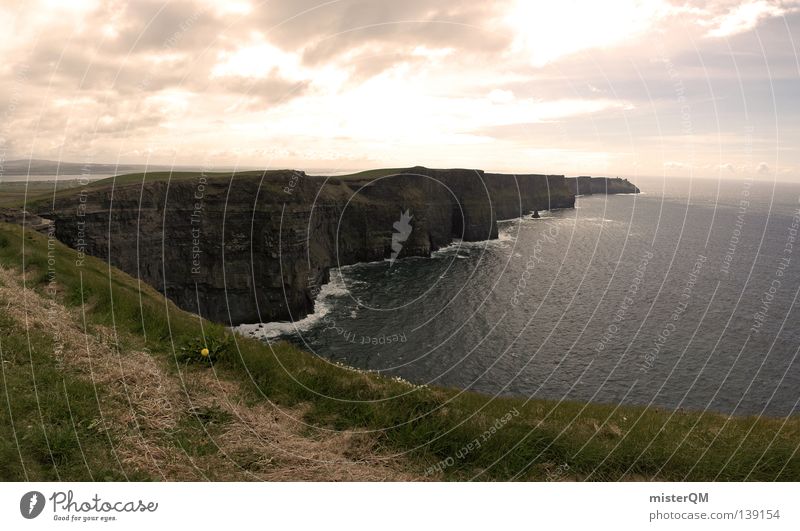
257 246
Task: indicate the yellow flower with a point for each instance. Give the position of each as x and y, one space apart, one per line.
204 352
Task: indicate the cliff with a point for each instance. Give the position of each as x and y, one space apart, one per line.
600 185
514 196
26 219
257 246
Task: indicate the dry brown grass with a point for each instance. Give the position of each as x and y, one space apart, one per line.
143 403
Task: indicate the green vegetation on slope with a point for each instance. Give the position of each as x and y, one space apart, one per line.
445 433
48 423
14 193
31 193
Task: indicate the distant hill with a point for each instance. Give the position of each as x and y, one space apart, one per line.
54 167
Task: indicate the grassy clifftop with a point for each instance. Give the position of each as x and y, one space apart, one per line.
102 380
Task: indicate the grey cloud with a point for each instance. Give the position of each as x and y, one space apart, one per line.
390 31
331 30
263 92
81 68
147 26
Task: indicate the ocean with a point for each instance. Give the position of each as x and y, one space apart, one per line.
682 297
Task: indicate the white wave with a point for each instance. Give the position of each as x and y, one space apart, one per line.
599 220
507 235
336 288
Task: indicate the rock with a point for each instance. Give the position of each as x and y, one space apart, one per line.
600 185
22 217
513 196
257 246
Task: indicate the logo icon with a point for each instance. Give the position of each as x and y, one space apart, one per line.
403 230
31 504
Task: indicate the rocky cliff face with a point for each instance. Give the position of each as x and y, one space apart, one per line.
600 185
517 195
26 219
257 246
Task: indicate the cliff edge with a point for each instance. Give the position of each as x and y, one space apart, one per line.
257 246
585 185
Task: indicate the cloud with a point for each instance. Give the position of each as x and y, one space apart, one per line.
675 165
548 31
264 92
328 30
746 16
451 81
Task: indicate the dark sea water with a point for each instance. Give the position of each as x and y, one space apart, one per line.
684 296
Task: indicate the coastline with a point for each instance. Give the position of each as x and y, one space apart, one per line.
410 430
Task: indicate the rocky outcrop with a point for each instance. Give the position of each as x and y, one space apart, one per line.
600 185
257 246
28 220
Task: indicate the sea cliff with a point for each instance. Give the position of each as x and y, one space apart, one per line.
257 246
585 185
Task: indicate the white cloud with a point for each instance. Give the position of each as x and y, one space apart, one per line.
547 31
258 60
745 17
675 165
501 96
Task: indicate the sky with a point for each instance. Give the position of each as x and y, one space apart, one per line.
624 87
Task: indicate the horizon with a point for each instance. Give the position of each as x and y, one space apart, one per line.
634 88
331 172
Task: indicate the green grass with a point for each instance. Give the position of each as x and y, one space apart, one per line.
50 426
159 176
195 432
373 174
429 426
370 174
14 193
39 193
